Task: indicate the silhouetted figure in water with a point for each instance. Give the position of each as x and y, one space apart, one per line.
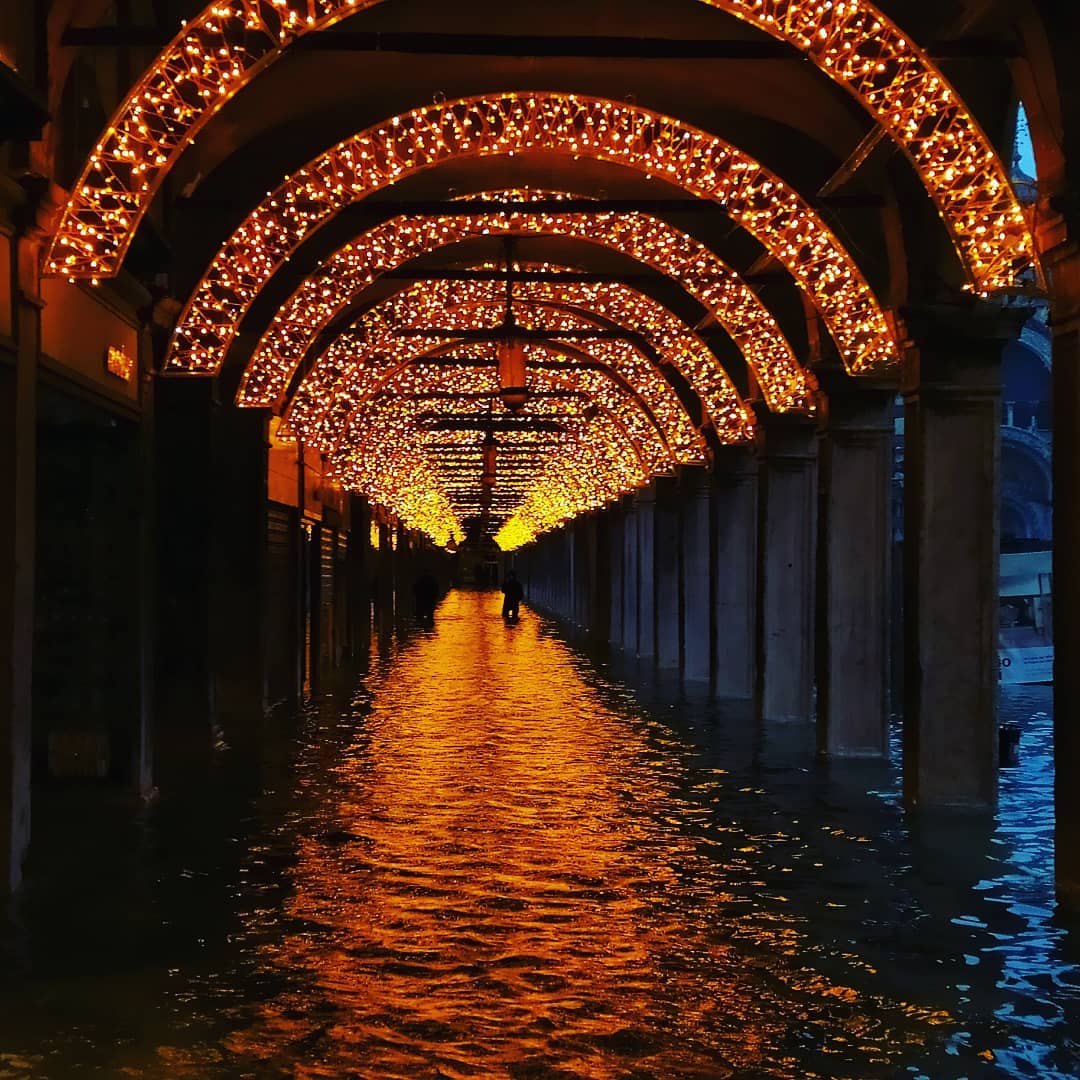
426 594
512 594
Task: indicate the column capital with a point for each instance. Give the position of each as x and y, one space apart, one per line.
973 325
646 496
1063 268
788 437
958 349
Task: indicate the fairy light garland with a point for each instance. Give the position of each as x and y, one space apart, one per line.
352 369
577 477
386 465
324 295
231 41
386 456
591 387
701 164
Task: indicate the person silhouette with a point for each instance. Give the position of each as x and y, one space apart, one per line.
512 594
426 595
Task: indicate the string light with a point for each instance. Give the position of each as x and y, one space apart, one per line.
389 468
388 453
229 43
324 295
701 164
351 366
590 388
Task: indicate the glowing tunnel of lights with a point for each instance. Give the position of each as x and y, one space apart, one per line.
326 294
351 365
624 367
641 433
638 430
571 125
577 477
665 435
231 41
596 461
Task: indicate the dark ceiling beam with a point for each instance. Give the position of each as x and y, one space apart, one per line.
593 47
504 448
451 395
484 423
23 111
499 333
381 209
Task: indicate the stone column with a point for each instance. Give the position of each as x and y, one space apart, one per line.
646 523
238 568
631 576
734 498
1064 266
854 560
18 419
952 483
788 567
695 530
145 632
358 564
668 578
615 552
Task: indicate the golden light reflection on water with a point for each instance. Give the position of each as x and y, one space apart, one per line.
504 878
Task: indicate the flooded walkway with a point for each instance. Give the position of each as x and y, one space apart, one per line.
494 861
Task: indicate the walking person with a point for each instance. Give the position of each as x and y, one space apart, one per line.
512 594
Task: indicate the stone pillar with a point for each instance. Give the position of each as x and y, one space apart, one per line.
854 560
183 414
734 498
631 576
788 567
359 571
952 482
238 569
695 531
668 578
18 418
646 523
615 554
146 631
1064 266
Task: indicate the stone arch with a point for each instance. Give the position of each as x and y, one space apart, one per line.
320 298
674 343
854 44
564 124
662 422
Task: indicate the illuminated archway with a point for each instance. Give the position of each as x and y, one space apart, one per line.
657 424
351 365
325 294
595 459
851 41
700 164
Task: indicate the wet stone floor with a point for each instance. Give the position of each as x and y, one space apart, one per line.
488 858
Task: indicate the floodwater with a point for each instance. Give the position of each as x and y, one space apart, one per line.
491 859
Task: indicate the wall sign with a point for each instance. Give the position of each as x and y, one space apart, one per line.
118 363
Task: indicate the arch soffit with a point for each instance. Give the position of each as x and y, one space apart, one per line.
338 366
630 415
569 125
630 374
323 296
851 41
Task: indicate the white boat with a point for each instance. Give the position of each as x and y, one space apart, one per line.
1025 618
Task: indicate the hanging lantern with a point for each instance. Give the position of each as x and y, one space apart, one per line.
512 389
